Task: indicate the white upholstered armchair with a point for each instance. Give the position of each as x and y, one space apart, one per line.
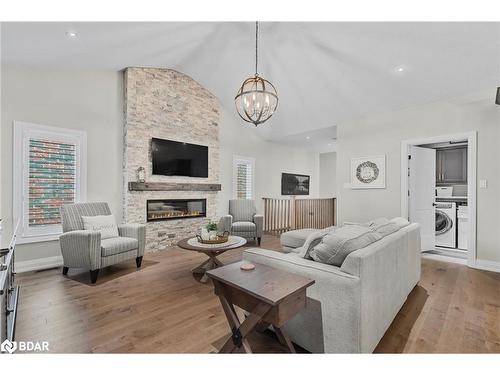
243 219
84 248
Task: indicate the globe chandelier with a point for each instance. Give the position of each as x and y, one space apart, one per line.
257 99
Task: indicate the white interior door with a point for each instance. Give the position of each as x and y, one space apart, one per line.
421 198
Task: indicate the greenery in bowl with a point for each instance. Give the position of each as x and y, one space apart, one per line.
211 227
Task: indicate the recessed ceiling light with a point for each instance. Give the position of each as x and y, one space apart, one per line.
308 137
71 34
400 69
329 144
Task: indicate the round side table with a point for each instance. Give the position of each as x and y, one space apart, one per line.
211 251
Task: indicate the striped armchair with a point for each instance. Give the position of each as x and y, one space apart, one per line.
84 248
243 220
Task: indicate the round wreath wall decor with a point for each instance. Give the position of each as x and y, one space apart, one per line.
367 172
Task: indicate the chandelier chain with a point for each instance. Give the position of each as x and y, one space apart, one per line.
256 46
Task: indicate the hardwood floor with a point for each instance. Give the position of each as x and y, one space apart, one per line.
454 309
161 308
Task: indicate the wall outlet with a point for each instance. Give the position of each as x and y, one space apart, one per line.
483 184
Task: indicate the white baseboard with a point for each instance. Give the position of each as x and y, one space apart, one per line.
444 258
38 264
487 265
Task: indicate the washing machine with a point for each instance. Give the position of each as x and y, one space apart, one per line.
446 221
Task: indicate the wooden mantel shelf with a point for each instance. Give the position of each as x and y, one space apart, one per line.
170 186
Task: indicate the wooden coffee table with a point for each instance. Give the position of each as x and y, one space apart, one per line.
270 296
212 252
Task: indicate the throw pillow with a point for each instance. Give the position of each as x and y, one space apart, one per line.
312 240
401 222
338 244
374 224
387 229
382 226
105 224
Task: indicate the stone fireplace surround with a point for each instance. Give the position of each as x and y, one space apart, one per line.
166 104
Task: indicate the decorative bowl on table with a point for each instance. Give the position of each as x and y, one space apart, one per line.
219 238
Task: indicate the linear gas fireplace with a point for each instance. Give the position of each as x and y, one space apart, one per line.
170 209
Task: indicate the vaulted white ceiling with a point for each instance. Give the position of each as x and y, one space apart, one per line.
326 73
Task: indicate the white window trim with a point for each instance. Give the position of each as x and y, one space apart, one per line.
247 160
22 132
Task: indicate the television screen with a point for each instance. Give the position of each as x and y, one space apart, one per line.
172 158
294 184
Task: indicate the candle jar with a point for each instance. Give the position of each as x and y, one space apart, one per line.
205 235
140 174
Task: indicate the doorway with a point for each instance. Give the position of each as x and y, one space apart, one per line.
438 190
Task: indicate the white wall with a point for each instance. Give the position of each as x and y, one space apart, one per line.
382 134
1 154
89 101
93 101
328 175
271 159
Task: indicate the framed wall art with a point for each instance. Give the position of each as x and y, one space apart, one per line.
368 172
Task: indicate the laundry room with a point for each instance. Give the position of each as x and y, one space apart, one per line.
441 192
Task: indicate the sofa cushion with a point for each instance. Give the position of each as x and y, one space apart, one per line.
296 238
337 244
382 226
105 224
118 245
244 226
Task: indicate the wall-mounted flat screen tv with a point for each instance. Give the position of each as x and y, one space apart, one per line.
172 158
294 184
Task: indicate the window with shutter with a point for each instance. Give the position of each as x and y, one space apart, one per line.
49 171
51 180
243 177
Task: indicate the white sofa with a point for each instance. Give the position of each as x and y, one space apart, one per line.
349 308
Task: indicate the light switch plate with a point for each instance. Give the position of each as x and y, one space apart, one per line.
483 184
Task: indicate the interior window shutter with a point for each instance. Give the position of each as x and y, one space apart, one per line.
244 180
51 180
249 181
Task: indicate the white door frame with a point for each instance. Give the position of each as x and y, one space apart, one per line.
471 138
